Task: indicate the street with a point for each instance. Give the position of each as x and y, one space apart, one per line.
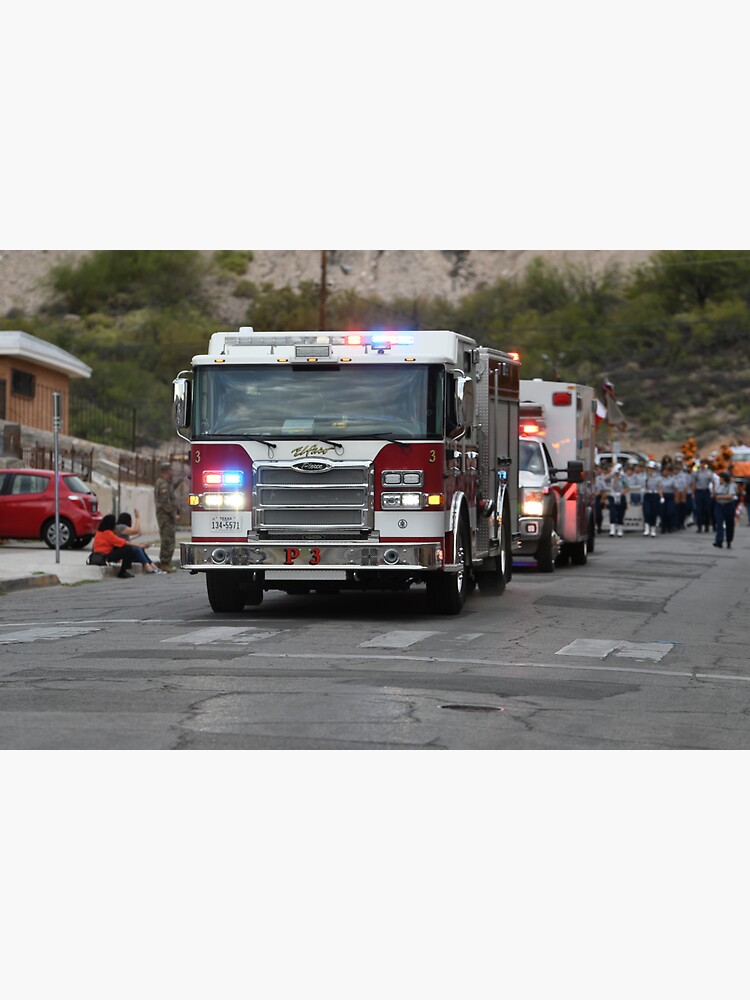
645 647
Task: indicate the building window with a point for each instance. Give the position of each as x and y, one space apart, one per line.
22 383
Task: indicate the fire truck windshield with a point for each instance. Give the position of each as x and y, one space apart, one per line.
340 401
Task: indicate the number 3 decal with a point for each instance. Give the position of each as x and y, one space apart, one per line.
432 455
314 557
197 456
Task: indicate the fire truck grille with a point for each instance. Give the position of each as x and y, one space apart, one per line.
313 497
331 502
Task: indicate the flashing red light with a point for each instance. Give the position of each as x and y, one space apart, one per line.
515 355
562 398
530 428
353 339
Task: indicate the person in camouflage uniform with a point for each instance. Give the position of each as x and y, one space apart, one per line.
167 514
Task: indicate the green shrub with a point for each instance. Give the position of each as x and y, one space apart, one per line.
116 281
232 261
244 289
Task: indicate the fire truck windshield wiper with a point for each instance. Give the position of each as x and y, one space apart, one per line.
387 437
241 437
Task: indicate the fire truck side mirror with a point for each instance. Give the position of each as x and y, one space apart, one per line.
464 400
181 403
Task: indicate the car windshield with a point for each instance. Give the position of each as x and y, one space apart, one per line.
75 484
340 401
530 457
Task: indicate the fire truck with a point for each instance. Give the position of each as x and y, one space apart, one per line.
357 460
556 477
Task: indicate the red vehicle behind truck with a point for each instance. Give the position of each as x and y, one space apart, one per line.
366 460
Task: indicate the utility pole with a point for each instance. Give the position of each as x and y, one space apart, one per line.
323 288
56 427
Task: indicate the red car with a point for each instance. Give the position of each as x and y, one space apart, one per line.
27 507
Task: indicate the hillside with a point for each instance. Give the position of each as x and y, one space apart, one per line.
679 371
387 274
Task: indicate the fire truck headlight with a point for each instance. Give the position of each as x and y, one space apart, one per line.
401 500
411 499
213 500
533 503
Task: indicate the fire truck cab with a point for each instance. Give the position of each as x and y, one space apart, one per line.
556 473
323 461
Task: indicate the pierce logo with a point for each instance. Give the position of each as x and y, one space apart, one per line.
313 466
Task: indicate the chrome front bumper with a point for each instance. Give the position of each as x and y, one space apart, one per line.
311 557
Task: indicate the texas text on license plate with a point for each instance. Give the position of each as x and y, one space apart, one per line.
225 522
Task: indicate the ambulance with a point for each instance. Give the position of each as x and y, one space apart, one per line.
556 473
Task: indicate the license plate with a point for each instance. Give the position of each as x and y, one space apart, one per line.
225 522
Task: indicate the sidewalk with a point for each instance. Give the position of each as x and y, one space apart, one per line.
32 564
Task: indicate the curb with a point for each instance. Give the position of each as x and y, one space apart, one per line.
27 582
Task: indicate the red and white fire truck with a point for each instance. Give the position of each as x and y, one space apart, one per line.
323 461
556 477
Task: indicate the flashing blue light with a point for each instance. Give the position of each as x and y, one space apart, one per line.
234 478
386 339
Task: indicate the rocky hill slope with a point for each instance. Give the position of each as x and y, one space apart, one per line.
383 273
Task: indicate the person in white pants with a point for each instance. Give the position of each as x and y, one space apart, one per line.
617 489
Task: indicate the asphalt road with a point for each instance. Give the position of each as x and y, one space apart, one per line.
645 647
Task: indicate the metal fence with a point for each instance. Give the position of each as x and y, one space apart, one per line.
142 470
115 426
76 460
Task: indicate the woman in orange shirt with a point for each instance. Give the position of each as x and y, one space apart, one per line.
113 547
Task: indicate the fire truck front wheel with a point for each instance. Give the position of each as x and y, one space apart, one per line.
447 592
231 591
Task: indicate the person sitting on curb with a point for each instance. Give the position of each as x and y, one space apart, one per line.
127 530
113 547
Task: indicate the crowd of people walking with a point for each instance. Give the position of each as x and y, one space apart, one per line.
672 495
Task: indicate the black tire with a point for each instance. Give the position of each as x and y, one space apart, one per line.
544 561
67 534
578 553
81 542
226 592
563 556
493 582
447 592
506 545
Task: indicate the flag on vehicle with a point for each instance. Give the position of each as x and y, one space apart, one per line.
600 413
615 416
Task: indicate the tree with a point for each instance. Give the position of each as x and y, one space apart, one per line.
688 278
120 280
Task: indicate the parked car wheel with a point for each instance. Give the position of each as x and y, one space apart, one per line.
67 535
